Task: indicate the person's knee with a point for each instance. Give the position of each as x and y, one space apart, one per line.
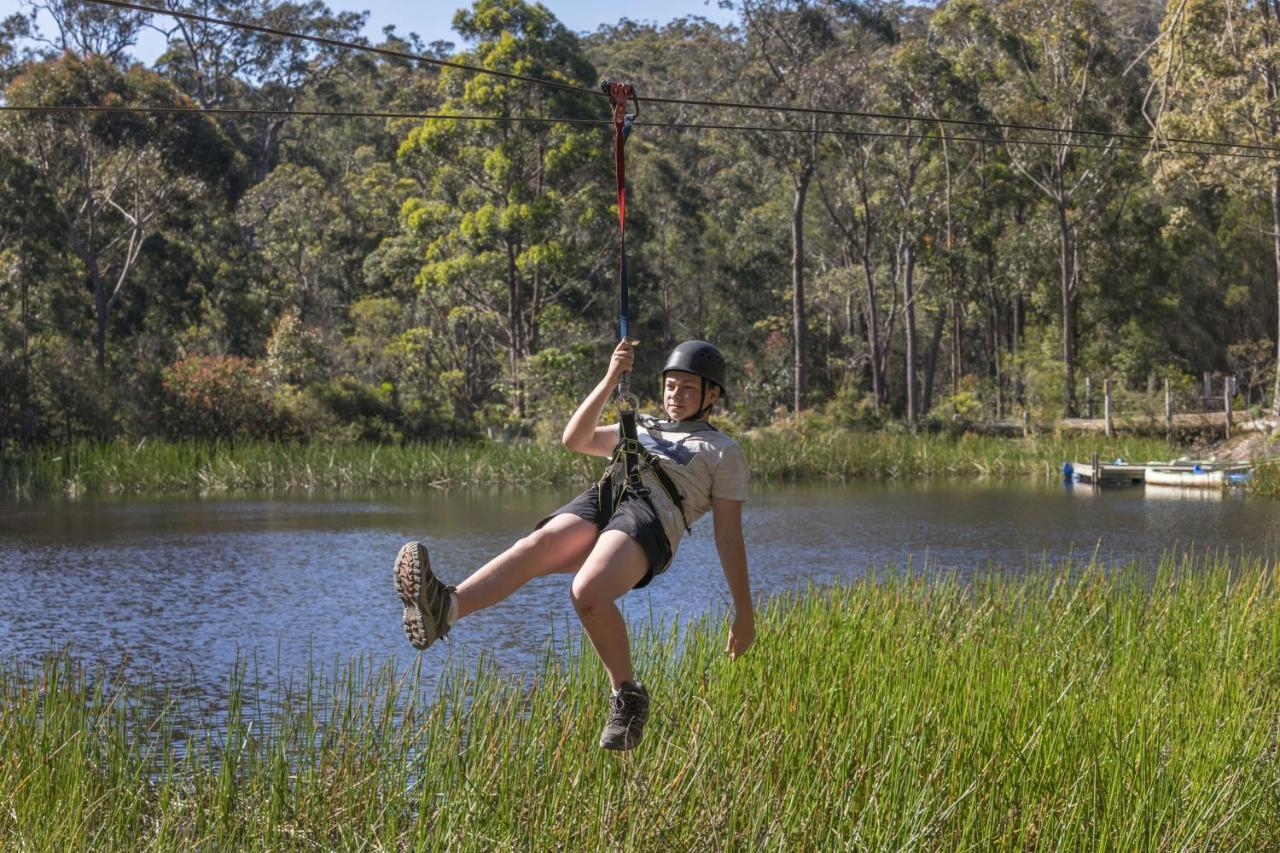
537 541
586 597
543 544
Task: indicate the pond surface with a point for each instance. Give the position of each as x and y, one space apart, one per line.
181 588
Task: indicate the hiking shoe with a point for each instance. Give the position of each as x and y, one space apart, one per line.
628 712
425 598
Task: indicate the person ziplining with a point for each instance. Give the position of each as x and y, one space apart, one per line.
622 531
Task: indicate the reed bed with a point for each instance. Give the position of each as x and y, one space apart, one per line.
166 467
1073 708
1265 479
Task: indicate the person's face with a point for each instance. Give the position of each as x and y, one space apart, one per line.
681 395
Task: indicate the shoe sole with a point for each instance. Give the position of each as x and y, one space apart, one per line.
626 745
411 568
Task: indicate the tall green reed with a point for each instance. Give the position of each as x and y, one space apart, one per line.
1078 707
779 454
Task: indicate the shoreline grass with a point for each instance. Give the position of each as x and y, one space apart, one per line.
1072 708
209 468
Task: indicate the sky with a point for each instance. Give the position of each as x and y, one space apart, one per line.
431 20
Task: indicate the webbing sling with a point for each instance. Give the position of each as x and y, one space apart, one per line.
619 95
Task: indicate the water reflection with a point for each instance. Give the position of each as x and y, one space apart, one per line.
180 589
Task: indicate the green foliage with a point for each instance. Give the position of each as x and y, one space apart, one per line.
852 408
956 413
462 272
340 410
1039 365
295 354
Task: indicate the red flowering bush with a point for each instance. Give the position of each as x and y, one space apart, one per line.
217 397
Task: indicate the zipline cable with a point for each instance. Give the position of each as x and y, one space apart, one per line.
662 125
742 105
349 45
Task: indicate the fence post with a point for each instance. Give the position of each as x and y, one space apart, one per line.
1168 412
1088 398
1226 403
1026 423
1106 407
1208 390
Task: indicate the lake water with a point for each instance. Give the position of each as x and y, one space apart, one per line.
182 588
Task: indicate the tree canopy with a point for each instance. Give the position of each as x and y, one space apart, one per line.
393 278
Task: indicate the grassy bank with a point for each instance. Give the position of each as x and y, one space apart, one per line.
1072 710
158 467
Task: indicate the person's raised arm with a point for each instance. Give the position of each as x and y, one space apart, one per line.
583 434
726 517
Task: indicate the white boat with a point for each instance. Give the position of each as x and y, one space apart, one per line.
1185 477
1197 476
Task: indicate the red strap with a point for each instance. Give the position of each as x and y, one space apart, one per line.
619 94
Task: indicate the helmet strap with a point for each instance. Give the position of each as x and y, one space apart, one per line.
702 395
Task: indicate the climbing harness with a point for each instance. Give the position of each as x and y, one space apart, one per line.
623 473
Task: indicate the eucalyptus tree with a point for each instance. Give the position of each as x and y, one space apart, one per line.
14 30
301 229
1216 75
84 29
850 191
933 180
27 260
113 178
793 44
513 211
222 66
1048 63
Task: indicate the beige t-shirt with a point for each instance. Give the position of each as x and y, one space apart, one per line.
702 462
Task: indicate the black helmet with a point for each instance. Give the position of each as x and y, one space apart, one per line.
699 358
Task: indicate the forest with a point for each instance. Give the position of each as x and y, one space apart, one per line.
910 216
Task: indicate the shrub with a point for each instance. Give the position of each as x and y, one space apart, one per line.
852 408
217 397
295 354
364 410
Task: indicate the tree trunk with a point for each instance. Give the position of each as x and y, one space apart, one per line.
535 312
797 284
1067 282
101 315
873 331
1275 241
931 361
909 318
515 333
24 400
1015 340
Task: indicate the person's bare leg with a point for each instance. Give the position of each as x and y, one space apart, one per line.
615 565
558 546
